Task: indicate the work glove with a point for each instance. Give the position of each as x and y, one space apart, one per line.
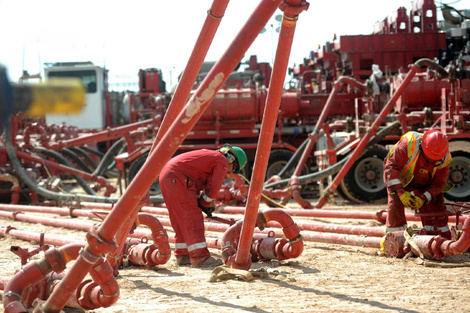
406 198
205 206
419 200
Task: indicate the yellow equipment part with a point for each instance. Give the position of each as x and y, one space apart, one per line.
56 96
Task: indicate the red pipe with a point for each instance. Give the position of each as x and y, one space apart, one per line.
101 240
186 83
379 216
450 247
159 237
156 224
370 242
314 136
158 233
284 249
291 11
103 291
108 134
15 188
265 248
34 272
371 131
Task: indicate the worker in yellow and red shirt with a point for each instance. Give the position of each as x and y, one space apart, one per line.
189 183
415 173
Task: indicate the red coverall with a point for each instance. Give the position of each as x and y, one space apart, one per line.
421 182
181 181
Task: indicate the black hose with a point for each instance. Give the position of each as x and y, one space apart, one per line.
112 166
306 179
433 66
93 151
108 158
293 158
72 155
88 159
62 160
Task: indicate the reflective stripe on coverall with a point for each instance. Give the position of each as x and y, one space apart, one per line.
181 180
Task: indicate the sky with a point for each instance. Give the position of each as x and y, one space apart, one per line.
125 36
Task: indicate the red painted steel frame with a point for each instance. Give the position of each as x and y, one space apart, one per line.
101 239
93 178
108 134
291 11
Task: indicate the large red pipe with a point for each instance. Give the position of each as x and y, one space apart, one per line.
379 216
291 8
186 83
101 239
159 235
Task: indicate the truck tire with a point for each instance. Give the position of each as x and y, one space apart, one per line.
134 169
364 181
459 172
277 159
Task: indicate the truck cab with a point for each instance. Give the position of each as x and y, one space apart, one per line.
93 115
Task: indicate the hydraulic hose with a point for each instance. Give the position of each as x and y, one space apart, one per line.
108 158
294 158
432 65
81 152
59 157
72 155
39 190
306 179
93 151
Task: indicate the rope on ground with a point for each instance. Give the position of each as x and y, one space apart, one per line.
225 273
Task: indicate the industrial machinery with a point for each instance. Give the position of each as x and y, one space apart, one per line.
328 115
377 62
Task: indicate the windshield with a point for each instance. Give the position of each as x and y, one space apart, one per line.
87 77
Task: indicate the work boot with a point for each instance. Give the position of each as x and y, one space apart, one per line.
208 262
182 260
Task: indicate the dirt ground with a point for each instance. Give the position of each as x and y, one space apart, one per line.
325 278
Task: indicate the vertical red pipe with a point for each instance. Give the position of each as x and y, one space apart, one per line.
363 142
286 35
101 240
214 16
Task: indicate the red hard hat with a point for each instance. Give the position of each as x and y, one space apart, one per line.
435 145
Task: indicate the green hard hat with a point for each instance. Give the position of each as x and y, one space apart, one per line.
241 159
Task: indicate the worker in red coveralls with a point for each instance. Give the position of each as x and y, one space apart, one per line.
189 183
415 173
